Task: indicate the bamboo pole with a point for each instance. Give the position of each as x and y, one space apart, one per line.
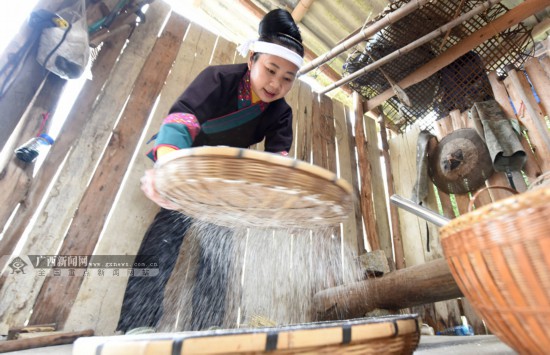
509 19
364 33
411 46
412 286
301 9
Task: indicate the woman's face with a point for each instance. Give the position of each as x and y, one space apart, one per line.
271 77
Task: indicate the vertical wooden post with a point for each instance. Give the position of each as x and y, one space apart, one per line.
531 168
541 82
365 172
355 181
379 198
305 123
394 216
348 170
520 83
530 115
318 143
545 61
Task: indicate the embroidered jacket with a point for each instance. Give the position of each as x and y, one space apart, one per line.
216 109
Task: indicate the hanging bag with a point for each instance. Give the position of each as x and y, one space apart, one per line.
63 49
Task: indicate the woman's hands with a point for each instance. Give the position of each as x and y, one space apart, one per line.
148 188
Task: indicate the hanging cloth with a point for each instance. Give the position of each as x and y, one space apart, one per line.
503 142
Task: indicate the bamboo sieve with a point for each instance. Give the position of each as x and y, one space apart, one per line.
234 186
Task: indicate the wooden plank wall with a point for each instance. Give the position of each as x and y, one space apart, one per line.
513 94
85 199
76 170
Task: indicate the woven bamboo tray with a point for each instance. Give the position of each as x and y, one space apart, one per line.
499 256
381 335
233 186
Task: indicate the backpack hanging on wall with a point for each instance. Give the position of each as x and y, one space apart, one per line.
64 49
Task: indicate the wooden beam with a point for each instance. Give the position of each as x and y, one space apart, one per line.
253 8
509 19
43 341
412 286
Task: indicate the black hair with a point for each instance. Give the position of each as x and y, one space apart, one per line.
279 27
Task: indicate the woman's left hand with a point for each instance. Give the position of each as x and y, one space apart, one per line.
148 188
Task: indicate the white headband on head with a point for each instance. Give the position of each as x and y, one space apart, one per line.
270 48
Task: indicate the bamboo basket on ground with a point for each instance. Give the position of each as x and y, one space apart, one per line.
233 186
499 257
397 334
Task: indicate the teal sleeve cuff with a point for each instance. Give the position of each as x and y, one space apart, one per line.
174 134
171 134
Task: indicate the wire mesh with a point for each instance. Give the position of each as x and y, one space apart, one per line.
455 87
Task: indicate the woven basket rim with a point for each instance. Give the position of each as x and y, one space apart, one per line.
308 336
235 186
509 205
266 157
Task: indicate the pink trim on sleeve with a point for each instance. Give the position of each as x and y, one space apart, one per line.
187 119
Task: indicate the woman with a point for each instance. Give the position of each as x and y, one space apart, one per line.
233 105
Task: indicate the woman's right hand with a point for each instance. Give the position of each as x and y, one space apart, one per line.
148 188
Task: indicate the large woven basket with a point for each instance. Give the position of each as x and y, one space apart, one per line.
232 186
499 256
381 335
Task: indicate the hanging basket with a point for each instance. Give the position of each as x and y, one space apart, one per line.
499 257
232 186
398 334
